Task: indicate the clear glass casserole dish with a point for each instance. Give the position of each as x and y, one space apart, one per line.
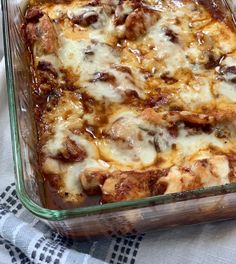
206 204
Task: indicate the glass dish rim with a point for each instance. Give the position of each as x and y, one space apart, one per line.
55 215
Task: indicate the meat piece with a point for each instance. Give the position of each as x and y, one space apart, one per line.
46 78
212 62
52 100
172 117
160 118
138 22
131 95
122 11
123 188
92 179
227 69
94 3
86 19
232 165
72 151
34 2
130 185
157 100
33 14
173 37
122 68
120 15
199 119
43 35
163 141
231 157
31 33
47 66
222 112
121 185
168 79
197 174
124 8
228 73
104 77
111 3
47 83
47 35
124 131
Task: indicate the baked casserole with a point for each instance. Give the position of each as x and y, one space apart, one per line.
132 98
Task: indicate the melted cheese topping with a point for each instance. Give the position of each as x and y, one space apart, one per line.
127 144
170 59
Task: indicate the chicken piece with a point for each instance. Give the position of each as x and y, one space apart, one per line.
138 22
30 33
199 119
121 185
40 32
85 19
173 36
33 14
197 174
54 174
111 3
92 179
124 131
169 118
47 78
71 151
46 66
93 14
104 77
122 10
130 185
222 112
232 165
35 2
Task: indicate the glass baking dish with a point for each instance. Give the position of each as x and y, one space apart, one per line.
115 218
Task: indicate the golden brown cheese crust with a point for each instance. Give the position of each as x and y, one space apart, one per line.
132 98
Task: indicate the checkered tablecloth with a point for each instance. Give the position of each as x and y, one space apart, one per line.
24 239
